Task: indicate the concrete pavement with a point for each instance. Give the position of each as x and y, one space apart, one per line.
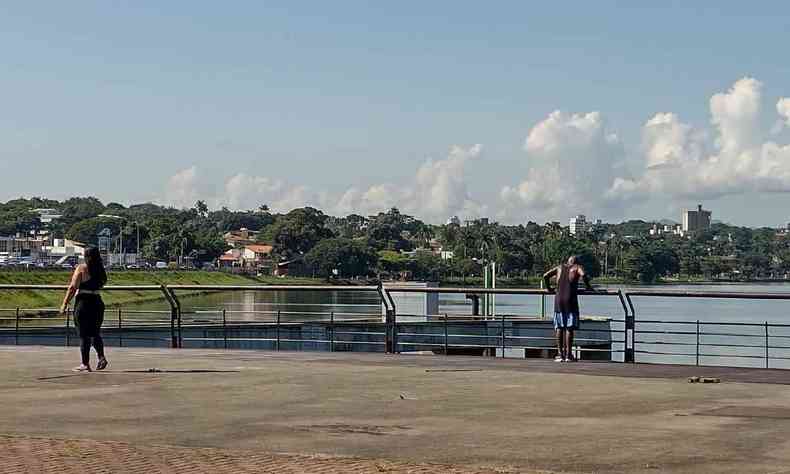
464 413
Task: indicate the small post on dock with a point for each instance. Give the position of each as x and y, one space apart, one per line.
277 343
120 329
766 344
503 335
697 343
331 331
446 336
224 328
16 328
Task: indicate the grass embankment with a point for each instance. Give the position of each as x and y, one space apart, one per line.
53 298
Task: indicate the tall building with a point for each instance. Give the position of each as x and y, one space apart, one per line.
694 220
578 225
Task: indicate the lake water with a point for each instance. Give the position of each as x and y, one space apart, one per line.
678 315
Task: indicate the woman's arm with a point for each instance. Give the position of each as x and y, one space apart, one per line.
76 279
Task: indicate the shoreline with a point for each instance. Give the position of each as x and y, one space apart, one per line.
37 301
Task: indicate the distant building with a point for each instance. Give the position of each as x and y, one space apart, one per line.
696 220
258 256
473 222
18 246
578 225
239 238
64 250
665 229
454 221
231 259
47 215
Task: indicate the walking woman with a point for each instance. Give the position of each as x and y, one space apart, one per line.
88 279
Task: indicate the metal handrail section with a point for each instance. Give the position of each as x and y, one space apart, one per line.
390 333
710 294
699 344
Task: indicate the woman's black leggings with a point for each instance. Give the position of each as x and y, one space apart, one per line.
85 348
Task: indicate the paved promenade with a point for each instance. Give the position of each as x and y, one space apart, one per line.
239 411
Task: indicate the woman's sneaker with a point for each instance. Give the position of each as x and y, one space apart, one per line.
558 358
102 364
82 368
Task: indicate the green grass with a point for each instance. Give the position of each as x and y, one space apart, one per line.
53 298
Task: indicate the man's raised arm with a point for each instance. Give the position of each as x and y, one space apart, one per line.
585 279
547 279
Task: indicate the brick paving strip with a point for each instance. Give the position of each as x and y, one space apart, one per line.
21 454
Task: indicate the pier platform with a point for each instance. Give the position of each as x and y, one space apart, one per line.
200 410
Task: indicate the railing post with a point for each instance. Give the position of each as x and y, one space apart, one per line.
630 333
180 336
120 329
224 328
542 303
766 344
16 329
503 335
390 328
331 331
68 329
446 336
173 316
277 343
697 343
395 332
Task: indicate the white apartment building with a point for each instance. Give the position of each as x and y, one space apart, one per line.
578 225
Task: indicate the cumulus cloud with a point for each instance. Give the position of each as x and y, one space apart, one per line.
783 109
680 162
437 190
181 189
573 158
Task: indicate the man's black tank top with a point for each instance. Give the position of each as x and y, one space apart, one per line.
566 299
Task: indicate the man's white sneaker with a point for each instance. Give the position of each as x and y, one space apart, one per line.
559 359
82 368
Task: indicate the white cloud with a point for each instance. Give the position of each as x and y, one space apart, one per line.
783 109
576 164
437 191
572 160
243 191
680 162
181 189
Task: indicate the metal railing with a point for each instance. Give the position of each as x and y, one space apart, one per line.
688 341
755 341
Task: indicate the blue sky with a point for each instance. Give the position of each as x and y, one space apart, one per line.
341 104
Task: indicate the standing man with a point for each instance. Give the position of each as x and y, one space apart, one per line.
566 304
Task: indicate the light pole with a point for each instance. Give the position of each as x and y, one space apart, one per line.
121 249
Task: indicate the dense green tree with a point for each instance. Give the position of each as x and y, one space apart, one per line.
346 257
297 232
87 230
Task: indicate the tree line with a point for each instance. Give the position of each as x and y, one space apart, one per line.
391 244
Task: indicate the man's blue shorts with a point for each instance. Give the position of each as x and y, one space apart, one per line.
566 320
